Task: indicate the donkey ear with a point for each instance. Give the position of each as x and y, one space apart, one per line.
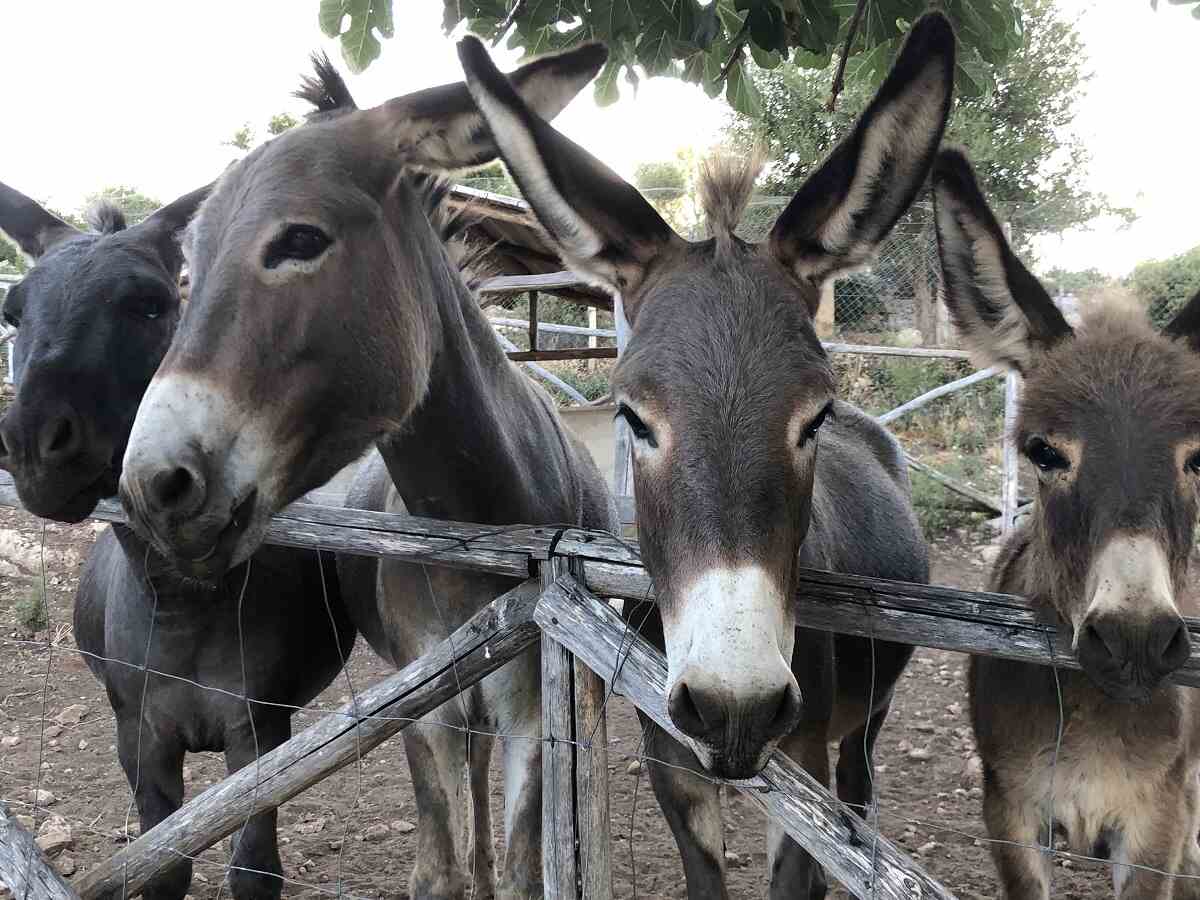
850 203
166 224
1186 323
1000 309
34 229
604 228
441 129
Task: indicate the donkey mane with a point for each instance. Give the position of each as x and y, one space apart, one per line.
471 261
105 217
726 183
325 89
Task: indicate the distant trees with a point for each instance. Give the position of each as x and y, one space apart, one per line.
1166 285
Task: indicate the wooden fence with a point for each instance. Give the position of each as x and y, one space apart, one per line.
586 646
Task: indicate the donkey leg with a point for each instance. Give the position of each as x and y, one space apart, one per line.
257 872
1013 827
156 776
794 873
692 807
482 854
856 763
513 695
1166 832
437 755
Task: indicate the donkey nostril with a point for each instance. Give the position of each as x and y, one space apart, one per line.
170 488
684 712
61 436
787 711
1178 649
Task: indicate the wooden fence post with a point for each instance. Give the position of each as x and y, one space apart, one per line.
576 838
23 868
533 321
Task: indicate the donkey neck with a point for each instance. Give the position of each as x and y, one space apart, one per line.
471 449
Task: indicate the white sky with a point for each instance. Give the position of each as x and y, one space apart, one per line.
143 92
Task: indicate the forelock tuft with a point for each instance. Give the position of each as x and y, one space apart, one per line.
725 186
325 89
105 217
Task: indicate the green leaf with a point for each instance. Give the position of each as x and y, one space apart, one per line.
330 17
742 93
612 18
606 91
731 18
806 59
656 49
765 59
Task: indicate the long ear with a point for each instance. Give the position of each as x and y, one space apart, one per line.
851 202
605 229
1186 323
34 229
441 129
166 223
1000 309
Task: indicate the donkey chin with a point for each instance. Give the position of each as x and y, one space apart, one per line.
1131 636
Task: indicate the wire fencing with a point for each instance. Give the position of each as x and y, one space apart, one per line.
364 806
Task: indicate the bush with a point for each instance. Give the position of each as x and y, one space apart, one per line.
31 608
1166 285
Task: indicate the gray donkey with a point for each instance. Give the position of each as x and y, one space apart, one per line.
1110 418
325 316
745 465
94 318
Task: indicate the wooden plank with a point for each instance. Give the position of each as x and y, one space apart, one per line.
496 634
590 332
867 863
560 841
533 321
569 353
922 614
24 869
873 350
954 386
519 284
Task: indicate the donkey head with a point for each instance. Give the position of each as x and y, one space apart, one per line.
1110 418
312 325
724 383
94 318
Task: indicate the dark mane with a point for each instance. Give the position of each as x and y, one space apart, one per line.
469 258
325 89
105 217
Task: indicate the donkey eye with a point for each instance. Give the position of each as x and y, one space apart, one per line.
299 242
146 306
1193 463
640 429
1044 456
811 429
11 319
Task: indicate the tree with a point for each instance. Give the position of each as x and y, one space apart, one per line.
493 178
1018 133
706 44
136 205
1166 285
245 137
1084 281
12 261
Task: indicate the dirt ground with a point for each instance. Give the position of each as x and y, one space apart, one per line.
357 826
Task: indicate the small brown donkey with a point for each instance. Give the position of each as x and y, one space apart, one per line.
1110 418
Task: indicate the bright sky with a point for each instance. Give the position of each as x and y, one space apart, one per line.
143 92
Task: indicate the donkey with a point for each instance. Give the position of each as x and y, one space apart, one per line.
1110 419
728 395
94 318
325 316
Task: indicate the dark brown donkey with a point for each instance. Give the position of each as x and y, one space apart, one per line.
1110 418
325 315
744 464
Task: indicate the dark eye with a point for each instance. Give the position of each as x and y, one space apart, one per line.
1193 463
1044 456
639 428
11 319
145 306
811 429
300 242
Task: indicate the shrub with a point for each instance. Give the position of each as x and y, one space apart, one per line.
31 608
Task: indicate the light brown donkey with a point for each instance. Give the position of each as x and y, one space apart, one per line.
1110 418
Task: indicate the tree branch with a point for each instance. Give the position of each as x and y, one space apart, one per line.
839 78
739 44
